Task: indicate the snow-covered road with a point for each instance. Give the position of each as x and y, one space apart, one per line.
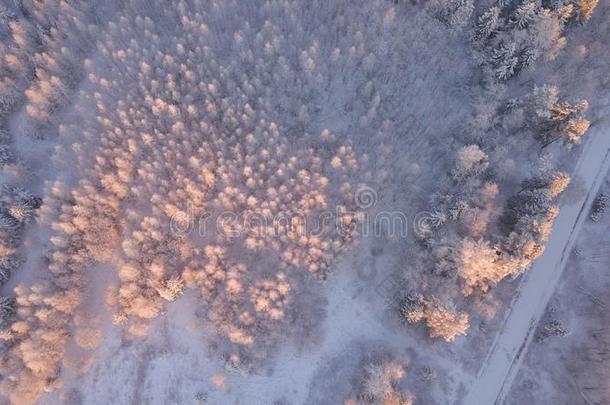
503 361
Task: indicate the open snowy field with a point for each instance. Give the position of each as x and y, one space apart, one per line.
301 202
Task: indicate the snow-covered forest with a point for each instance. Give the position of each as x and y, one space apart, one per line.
302 202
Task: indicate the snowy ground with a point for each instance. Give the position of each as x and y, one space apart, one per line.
174 363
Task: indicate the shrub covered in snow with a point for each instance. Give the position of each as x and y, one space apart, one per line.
379 385
441 320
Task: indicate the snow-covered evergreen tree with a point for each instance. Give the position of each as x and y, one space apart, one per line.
7 309
505 60
584 9
455 13
487 23
557 120
524 15
470 161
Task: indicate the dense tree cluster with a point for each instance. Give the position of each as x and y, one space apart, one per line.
465 238
222 112
462 250
35 340
453 13
510 37
17 208
202 135
454 250
47 41
469 241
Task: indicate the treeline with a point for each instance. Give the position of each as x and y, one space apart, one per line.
467 243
